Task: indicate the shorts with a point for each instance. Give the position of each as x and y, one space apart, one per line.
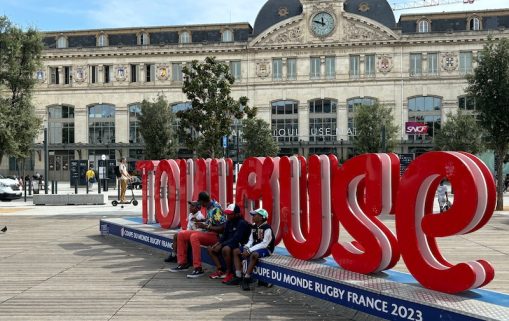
261 252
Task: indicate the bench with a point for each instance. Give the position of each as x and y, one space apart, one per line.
70 199
389 295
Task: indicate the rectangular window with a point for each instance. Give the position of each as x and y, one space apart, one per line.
465 62
277 69
150 73
67 75
134 73
330 67
55 76
107 74
176 69
432 64
314 68
235 70
93 74
291 68
355 66
369 66
415 64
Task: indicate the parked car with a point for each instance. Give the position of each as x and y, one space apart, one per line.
9 189
135 183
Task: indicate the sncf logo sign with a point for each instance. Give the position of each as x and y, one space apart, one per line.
413 128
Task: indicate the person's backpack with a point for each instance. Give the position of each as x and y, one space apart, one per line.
117 172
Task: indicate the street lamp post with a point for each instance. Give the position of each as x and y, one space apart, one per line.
46 159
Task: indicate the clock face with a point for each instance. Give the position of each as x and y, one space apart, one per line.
322 24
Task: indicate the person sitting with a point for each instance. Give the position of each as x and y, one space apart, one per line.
194 216
260 244
211 228
236 232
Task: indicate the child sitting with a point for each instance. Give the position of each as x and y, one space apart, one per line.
260 244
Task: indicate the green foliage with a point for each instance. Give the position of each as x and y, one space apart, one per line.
258 137
156 128
489 84
20 56
369 122
461 132
208 87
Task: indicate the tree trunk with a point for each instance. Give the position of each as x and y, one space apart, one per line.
499 165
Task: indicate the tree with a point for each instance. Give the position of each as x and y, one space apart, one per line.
371 121
156 128
208 87
258 137
19 59
461 132
489 85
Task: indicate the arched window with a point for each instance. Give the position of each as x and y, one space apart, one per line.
101 124
61 124
352 105
134 124
102 40
185 37
322 120
423 26
62 42
426 110
227 36
285 120
474 23
143 39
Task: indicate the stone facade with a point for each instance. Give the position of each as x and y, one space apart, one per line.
358 58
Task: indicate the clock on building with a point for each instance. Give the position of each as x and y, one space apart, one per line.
322 24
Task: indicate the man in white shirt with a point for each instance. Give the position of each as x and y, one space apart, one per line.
443 199
124 178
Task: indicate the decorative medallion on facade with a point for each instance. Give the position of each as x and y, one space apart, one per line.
364 7
263 69
121 73
80 74
384 64
359 32
291 35
449 61
283 12
40 76
163 72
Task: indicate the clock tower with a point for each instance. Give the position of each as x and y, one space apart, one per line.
323 18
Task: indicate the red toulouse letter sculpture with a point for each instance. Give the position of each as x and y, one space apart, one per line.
363 189
417 227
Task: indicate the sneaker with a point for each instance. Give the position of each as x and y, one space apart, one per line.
196 273
180 268
246 284
235 280
228 278
171 259
217 275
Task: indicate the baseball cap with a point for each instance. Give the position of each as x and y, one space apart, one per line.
261 212
232 209
194 204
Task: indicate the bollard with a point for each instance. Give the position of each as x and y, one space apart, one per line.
30 187
76 186
25 188
56 187
99 186
52 187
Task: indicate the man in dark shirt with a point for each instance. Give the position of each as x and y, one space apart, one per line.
236 233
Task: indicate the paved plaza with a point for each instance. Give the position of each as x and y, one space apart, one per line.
56 266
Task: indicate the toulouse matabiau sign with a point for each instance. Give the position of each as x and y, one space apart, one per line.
308 200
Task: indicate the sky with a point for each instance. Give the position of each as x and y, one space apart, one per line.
60 15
